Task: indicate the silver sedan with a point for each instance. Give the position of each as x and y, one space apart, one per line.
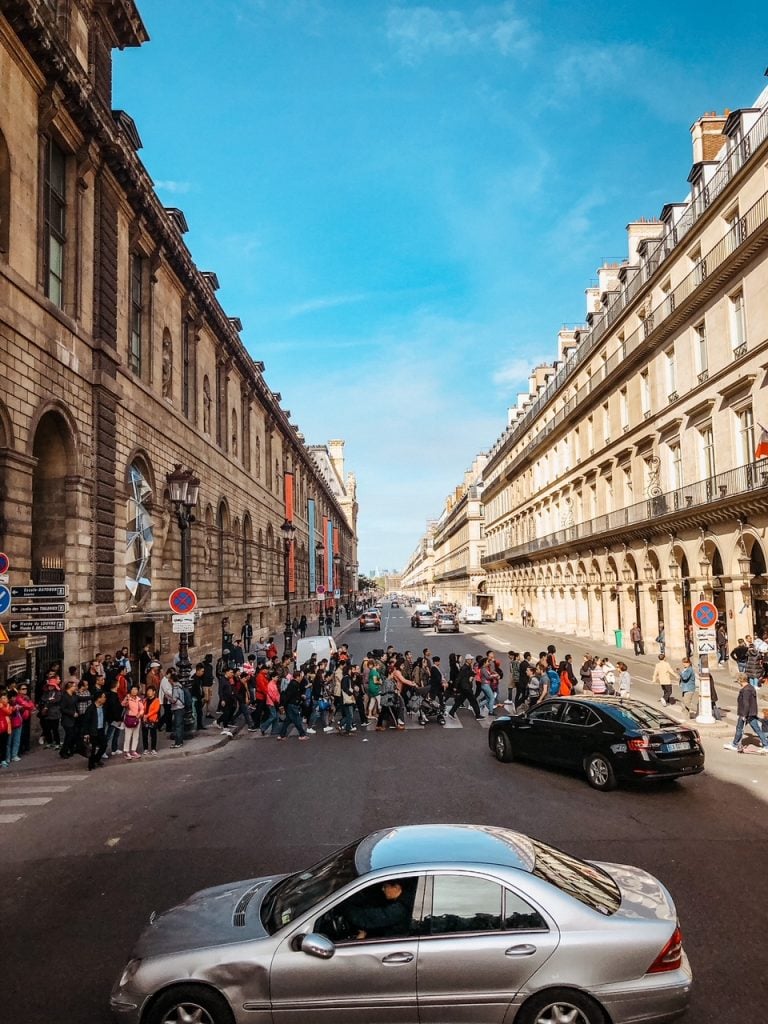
424 924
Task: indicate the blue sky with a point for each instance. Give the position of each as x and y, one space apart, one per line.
404 202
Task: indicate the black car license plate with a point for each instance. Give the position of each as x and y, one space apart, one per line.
682 745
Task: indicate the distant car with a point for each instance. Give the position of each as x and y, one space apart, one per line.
610 739
395 604
449 923
370 620
422 617
446 623
473 613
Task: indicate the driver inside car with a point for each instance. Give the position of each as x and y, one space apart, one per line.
373 921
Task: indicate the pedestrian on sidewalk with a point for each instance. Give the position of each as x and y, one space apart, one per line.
689 688
27 705
597 683
636 636
661 640
664 676
178 707
746 709
68 718
50 711
94 727
754 666
739 655
721 640
132 717
585 672
625 681
150 720
513 677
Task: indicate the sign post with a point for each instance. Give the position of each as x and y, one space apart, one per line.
704 615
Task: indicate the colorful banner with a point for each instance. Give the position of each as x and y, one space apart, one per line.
292 567
312 553
288 491
336 568
329 554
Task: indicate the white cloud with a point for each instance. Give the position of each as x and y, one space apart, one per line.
514 373
415 32
174 187
327 302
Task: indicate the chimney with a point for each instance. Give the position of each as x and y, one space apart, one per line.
707 136
637 230
336 454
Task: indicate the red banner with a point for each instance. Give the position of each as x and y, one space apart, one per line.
288 490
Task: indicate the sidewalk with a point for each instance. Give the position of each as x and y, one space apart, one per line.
505 636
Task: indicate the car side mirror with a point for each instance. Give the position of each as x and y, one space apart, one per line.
317 945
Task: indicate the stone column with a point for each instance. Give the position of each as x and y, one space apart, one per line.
674 626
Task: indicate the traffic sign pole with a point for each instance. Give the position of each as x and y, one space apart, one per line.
705 616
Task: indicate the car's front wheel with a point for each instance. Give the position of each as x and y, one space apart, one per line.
502 747
561 1006
189 1004
600 773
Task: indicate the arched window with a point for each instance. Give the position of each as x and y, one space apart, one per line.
207 403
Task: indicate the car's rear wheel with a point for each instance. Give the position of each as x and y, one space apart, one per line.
189 1004
600 773
561 1006
502 747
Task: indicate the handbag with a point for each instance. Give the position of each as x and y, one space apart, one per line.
130 721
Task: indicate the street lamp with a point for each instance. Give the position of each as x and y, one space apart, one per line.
336 564
288 530
184 488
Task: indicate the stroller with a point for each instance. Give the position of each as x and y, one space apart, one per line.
392 706
427 708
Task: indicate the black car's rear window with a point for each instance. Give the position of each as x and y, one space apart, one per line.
641 716
585 882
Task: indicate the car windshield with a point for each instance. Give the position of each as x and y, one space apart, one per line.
296 894
585 882
642 716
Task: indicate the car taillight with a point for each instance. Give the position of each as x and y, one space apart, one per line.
670 958
642 743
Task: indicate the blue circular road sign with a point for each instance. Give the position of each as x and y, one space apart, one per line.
5 600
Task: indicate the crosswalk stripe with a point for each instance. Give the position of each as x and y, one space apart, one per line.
29 801
10 819
37 790
44 780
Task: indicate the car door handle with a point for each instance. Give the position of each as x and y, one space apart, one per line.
398 958
524 950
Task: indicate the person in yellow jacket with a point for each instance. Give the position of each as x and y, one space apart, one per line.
665 676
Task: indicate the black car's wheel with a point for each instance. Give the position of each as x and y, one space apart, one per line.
600 773
561 1006
190 1004
502 747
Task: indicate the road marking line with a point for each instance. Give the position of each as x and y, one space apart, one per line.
9 819
37 790
30 801
44 780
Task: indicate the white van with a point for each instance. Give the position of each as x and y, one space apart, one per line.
322 646
473 613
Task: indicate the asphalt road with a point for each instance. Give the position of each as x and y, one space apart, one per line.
79 875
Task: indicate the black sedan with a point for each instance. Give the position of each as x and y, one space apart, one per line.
609 739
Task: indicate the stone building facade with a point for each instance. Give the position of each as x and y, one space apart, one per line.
459 543
626 485
418 577
119 364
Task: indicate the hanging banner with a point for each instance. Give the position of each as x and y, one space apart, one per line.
329 554
292 567
336 567
288 491
312 555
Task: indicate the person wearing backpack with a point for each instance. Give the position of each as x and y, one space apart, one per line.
50 711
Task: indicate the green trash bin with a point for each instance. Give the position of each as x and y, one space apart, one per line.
619 635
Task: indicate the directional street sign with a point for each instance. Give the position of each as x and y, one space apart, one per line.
704 614
3 635
18 626
5 600
29 643
183 624
5 562
34 608
183 600
54 592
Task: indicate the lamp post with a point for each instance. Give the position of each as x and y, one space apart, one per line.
336 564
288 530
184 488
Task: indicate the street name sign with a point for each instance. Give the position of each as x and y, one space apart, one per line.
18 626
29 643
44 592
183 624
30 608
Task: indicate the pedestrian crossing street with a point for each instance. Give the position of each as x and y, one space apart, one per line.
20 795
411 725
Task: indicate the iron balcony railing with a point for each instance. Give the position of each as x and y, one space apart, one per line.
744 480
734 160
753 220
